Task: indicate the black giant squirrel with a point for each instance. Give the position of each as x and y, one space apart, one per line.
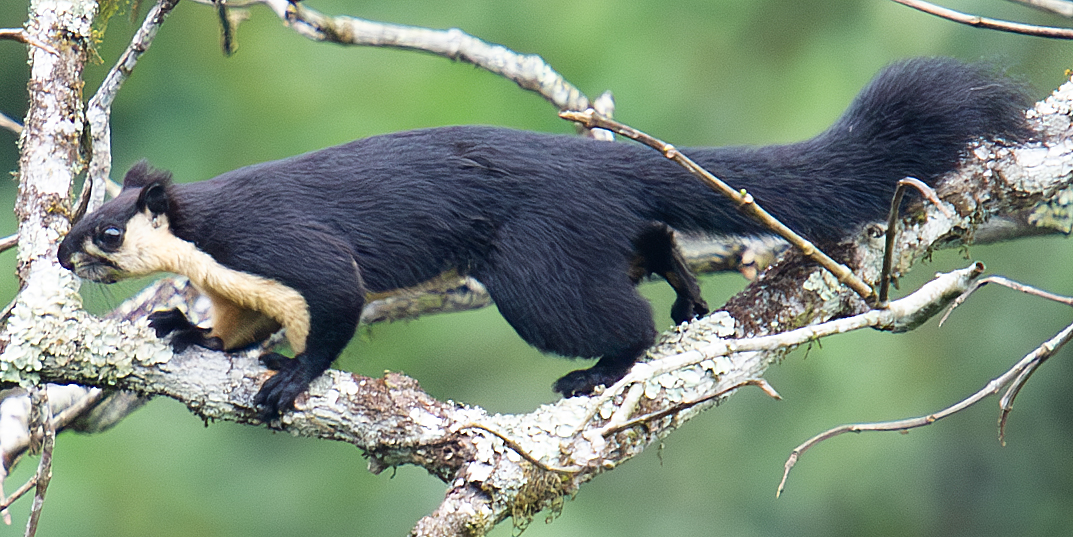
559 229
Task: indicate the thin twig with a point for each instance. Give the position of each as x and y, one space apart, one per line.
29 484
10 124
82 203
1005 282
1026 364
517 448
743 200
13 34
892 230
759 382
1006 402
20 35
990 24
9 242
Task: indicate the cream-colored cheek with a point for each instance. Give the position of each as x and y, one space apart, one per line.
149 246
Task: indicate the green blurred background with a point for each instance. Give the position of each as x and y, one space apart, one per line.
692 72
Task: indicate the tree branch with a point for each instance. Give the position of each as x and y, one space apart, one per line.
529 71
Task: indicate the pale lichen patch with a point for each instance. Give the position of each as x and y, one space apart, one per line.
826 285
49 326
1054 213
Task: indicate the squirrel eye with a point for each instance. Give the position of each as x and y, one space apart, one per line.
109 238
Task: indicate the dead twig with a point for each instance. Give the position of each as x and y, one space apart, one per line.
99 108
758 382
1044 352
10 124
20 35
892 229
9 242
29 484
1014 379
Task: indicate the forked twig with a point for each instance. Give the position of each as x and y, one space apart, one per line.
1013 379
1006 402
758 382
743 200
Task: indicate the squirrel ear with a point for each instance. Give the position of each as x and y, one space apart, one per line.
154 197
142 174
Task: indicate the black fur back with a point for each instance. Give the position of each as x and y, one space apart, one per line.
547 222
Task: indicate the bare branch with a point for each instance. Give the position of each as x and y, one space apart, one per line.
529 71
991 24
10 124
1016 374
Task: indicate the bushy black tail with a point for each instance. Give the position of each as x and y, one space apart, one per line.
914 119
920 114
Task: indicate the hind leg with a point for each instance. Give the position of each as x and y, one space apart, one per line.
573 301
656 252
606 372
